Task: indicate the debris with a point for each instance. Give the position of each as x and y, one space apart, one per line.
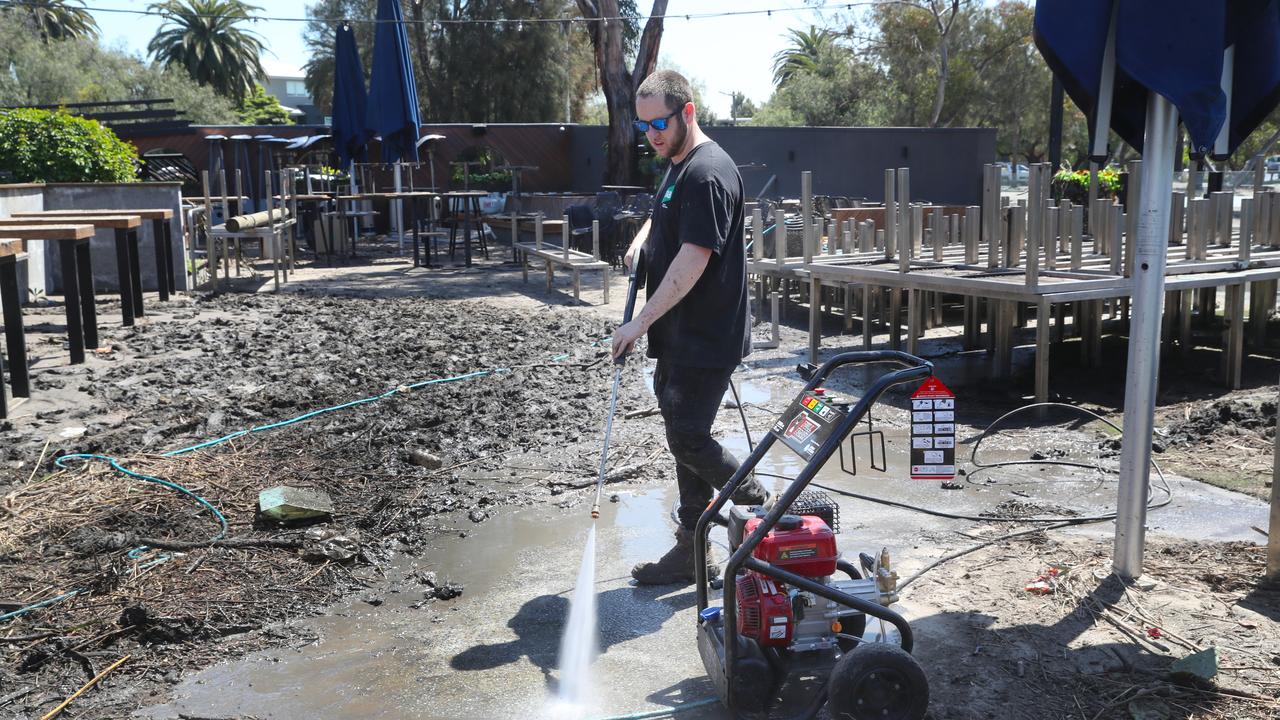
437 590
72 433
1196 669
1149 708
285 504
56 711
329 544
1046 583
422 458
478 516
949 485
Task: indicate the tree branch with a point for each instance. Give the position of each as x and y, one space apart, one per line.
650 41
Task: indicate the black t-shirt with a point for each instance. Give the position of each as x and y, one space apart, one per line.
700 202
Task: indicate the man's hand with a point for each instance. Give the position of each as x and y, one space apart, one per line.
625 337
638 242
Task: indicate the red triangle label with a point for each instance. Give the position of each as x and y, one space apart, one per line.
933 388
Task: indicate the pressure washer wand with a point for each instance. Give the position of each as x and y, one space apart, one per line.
617 376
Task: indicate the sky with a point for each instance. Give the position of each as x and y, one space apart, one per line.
724 54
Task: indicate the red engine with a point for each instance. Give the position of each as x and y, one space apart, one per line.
764 610
802 544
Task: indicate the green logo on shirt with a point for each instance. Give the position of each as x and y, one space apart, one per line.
666 198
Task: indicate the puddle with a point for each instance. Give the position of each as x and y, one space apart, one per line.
490 653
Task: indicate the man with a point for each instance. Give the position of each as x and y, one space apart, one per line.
696 308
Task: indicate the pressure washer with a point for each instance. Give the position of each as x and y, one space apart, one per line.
794 610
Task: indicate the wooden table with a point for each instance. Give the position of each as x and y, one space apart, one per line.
126 237
161 233
467 204
77 278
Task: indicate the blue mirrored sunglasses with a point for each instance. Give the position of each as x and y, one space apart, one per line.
659 124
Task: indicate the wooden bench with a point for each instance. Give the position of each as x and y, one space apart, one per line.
126 237
161 233
77 279
573 261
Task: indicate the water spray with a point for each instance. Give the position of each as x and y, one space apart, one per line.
632 286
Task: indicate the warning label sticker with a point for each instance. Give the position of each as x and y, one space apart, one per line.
933 432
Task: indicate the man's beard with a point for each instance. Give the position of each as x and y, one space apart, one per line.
676 146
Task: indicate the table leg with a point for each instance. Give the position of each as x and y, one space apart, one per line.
484 244
71 295
14 335
466 239
88 308
135 274
413 227
122 271
162 277
170 277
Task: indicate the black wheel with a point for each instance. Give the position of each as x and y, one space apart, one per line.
877 681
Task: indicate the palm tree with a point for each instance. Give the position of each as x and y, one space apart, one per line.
204 38
54 19
802 55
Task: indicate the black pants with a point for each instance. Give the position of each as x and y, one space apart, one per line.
689 398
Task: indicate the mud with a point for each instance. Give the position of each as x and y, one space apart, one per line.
525 429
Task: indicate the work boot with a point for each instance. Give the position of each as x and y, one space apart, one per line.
676 567
754 494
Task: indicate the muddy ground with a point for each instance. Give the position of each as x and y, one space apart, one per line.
151 583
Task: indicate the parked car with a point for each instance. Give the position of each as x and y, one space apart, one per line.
1272 165
1014 174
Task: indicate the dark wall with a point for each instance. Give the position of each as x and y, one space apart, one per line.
945 163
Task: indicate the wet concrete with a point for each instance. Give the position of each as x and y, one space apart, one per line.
492 652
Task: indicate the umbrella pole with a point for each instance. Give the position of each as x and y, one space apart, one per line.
399 208
1144 336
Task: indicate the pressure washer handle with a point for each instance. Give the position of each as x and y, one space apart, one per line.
633 287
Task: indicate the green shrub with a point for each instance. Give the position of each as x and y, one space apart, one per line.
1073 185
54 146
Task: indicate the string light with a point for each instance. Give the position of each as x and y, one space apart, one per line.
439 22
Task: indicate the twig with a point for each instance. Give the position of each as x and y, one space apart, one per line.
54 712
472 460
36 469
225 542
641 413
619 474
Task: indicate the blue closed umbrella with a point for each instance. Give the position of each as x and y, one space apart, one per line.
1137 66
393 93
1176 48
350 101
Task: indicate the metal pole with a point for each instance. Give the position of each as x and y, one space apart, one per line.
1144 336
1273 538
399 206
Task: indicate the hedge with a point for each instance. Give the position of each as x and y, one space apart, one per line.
54 146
